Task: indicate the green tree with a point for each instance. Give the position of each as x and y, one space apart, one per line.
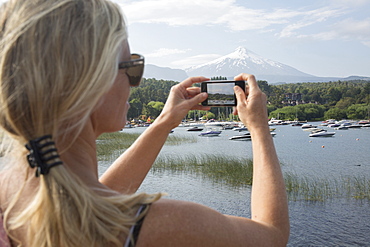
135 109
344 103
358 111
209 115
153 109
335 113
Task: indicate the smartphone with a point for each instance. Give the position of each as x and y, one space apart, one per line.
220 93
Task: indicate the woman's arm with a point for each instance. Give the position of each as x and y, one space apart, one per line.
177 223
269 200
126 174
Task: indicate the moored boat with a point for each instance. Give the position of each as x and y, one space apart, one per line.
306 126
195 128
321 133
211 133
244 137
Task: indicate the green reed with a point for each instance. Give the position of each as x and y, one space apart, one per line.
321 189
231 171
112 144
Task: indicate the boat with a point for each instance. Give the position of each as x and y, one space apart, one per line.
353 126
306 126
240 129
296 123
364 122
341 127
334 125
227 127
321 133
244 137
195 128
213 123
211 133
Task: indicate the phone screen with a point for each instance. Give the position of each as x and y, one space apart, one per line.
220 93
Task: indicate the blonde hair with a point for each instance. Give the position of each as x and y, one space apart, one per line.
57 59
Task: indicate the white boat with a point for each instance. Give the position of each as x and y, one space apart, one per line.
244 137
211 133
306 126
195 128
213 123
321 133
353 126
240 129
275 121
341 127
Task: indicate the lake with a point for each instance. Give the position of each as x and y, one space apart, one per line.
336 221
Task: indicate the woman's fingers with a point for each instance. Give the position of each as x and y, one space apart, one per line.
251 80
191 80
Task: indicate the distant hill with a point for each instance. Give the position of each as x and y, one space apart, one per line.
153 71
239 61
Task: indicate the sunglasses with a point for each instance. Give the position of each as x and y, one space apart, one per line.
135 69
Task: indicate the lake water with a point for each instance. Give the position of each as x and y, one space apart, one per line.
333 222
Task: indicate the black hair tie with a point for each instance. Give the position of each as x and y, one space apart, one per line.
43 154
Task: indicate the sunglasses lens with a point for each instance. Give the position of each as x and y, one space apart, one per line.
135 73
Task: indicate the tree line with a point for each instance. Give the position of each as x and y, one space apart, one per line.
319 100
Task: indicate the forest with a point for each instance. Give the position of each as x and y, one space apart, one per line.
294 101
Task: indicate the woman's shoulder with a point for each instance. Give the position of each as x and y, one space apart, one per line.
182 223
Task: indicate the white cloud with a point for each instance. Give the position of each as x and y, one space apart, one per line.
165 52
367 43
206 12
309 18
348 29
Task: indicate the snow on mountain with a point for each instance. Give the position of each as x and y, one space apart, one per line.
243 60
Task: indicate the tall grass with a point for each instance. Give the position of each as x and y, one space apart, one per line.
321 189
231 171
112 144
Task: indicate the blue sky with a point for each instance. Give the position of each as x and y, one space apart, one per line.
319 37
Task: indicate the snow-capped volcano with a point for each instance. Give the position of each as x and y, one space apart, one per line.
243 60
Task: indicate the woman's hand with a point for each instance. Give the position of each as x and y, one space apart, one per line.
182 98
251 106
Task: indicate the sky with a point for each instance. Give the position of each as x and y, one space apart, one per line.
318 37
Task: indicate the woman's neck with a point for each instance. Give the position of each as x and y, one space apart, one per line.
80 156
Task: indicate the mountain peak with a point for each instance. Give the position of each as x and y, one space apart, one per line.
240 52
243 60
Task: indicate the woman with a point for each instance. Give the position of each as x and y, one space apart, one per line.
65 78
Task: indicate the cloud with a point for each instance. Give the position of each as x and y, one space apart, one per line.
348 29
333 21
309 18
205 12
351 28
165 52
